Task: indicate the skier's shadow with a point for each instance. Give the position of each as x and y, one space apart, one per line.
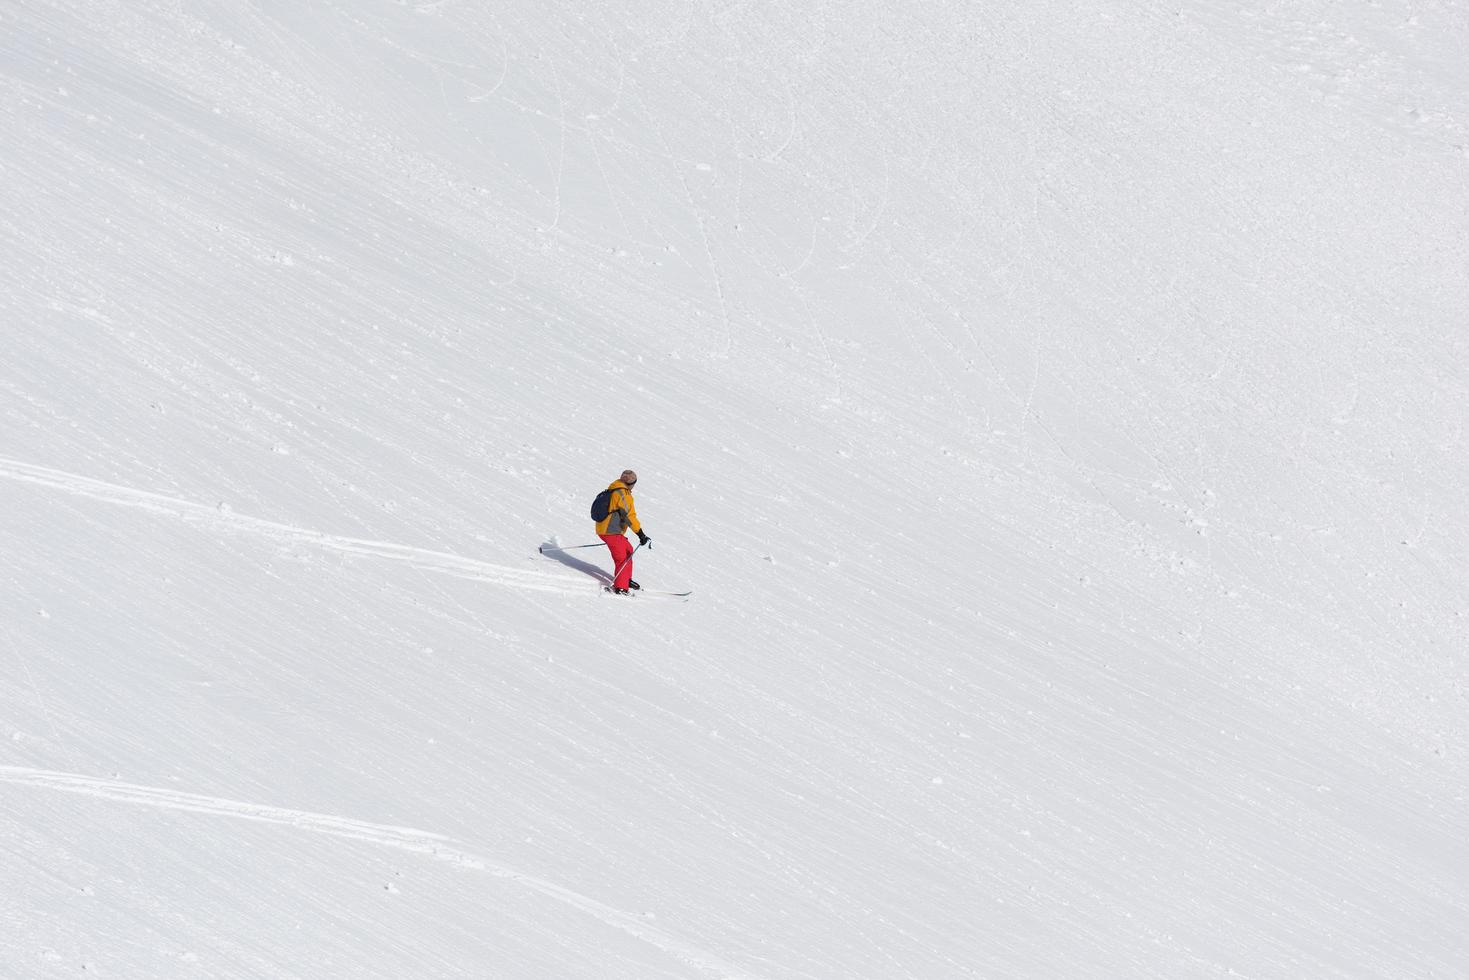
585 567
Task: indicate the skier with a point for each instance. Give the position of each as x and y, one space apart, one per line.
622 515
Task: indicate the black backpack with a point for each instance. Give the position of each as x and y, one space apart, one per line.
602 505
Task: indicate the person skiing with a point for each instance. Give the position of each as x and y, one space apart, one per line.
622 516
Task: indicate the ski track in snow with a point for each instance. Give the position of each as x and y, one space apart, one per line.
437 846
419 558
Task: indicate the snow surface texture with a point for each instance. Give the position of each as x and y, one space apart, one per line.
1058 411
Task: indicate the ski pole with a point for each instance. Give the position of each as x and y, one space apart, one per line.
626 561
546 547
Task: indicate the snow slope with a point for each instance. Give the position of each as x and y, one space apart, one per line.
1058 410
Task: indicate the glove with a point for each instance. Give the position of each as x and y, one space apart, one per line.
644 540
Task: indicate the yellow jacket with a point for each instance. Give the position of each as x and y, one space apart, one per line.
621 514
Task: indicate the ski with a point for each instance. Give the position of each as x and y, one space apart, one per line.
656 593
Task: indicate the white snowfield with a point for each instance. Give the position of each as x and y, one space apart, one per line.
1058 411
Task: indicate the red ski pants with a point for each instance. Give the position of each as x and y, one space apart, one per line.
621 550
